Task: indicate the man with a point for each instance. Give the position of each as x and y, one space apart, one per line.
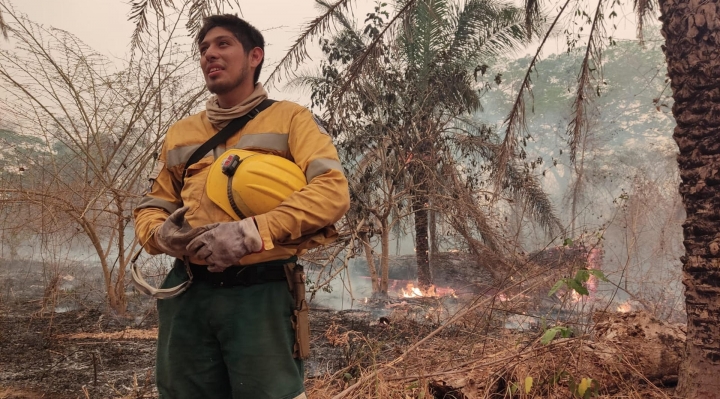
226 337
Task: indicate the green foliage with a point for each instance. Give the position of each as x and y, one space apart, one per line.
402 121
551 333
577 283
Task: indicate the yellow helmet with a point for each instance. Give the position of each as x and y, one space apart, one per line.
246 183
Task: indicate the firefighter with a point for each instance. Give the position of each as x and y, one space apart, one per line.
236 220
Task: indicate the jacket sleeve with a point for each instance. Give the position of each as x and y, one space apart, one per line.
162 199
326 197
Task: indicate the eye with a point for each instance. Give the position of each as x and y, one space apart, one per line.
224 43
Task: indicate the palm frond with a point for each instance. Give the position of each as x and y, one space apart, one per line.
464 209
532 15
139 13
467 23
643 10
515 122
371 52
579 123
305 80
298 51
485 29
535 198
199 9
340 17
503 35
427 35
3 26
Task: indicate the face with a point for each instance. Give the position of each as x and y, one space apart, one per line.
225 64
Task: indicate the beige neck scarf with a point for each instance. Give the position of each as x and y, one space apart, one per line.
220 117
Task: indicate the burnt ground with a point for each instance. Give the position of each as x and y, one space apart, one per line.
67 344
88 353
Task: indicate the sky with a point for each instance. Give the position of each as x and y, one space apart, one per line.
104 25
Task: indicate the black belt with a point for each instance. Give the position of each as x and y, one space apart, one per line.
258 273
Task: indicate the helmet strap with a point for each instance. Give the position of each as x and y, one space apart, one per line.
231 197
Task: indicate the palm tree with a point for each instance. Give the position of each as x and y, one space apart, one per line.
442 43
410 106
691 49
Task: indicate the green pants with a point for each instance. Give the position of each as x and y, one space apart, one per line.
227 343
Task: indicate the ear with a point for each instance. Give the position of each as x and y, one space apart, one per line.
256 56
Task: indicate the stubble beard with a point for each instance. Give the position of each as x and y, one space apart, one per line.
224 88
220 88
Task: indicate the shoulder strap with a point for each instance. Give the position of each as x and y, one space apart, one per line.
220 137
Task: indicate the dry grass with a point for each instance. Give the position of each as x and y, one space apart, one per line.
469 358
127 334
15 393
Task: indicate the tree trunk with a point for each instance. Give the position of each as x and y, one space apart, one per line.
432 230
370 258
385 257
692 49
420 207
422 248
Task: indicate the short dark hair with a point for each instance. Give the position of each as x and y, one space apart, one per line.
248 35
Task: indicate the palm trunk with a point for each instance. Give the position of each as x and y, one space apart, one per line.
692 50
422 249
420 208
434 246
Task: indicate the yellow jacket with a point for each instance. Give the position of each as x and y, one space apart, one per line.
286 129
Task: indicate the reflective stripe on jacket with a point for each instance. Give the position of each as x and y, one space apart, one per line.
286 129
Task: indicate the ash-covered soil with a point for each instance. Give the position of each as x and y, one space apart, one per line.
64 343
88 353
67 344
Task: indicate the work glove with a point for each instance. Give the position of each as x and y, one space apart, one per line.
225 244
173 236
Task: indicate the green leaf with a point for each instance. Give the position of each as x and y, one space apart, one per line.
556 287
598 274
582 275
549 335
566 332
577 286
568 242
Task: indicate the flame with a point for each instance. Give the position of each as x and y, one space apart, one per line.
411 291
625 307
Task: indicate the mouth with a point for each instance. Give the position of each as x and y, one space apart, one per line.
213 72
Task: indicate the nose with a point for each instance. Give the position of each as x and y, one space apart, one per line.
210 53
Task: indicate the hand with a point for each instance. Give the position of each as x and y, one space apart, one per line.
224 245
175 233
